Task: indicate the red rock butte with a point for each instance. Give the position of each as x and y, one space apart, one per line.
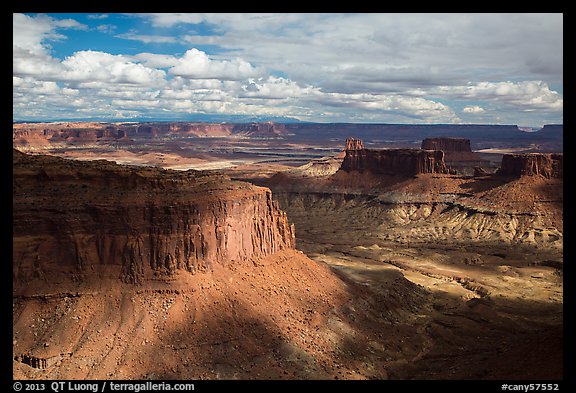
532 164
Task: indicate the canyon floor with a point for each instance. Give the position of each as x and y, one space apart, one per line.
432 277
485 254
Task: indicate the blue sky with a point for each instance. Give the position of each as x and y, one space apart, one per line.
387 68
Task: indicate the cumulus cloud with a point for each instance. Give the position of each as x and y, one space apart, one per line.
195 64
154 60
273 88
100 66
30 50
30 34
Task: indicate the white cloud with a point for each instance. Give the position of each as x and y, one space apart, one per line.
97 16
196 64
273 88
87 66
30 51
473 109
147 39
106 28
154 60
399 106
168 20
524 95
29 34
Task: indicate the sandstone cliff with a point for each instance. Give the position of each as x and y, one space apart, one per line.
77 219
532 164
407 162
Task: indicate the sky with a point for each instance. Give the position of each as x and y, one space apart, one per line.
361 68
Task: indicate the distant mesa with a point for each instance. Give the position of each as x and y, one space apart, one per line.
408 162
447 144
532 164
458 154
42 134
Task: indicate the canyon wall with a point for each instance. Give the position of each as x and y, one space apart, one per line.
532 164
76 219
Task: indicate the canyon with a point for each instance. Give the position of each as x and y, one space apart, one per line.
335 260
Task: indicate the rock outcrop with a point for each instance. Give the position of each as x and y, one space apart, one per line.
447 144
74 218
407 162
532 164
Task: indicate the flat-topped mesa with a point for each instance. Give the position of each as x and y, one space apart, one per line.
43 134
447 144
354 144
83 219
407 162
458 155
548 165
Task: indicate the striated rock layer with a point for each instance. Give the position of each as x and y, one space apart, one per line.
532 164
76 219
408 162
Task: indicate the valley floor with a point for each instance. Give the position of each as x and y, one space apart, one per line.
489 309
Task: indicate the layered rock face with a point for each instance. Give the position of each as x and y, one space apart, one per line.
408 162
532 164
76 218
447 144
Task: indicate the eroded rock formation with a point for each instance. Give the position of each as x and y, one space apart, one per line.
354 144
75 218
532 164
